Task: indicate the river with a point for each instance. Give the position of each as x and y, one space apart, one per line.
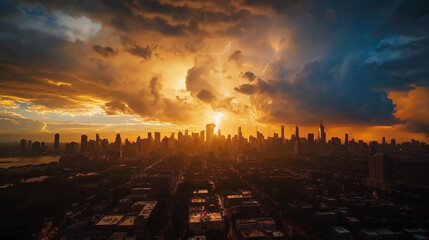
22 161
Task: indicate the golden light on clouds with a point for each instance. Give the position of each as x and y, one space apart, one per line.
174 65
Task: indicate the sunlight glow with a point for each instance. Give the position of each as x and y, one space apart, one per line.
218 122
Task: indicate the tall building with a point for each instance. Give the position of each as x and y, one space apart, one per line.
202 134
282 132
381 170
346 139
157 137
240 134
210 131
310 137
83 143
297 133
118 141
57 142
23 145
97 141
322 134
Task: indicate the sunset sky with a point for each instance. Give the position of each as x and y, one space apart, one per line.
138 66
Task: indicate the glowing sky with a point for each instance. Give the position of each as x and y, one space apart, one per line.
138 66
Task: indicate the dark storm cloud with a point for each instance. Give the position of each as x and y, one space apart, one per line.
417 126
336 61
410 17
280 6
143 52
236 56
206 96
39 53
149 103
104 51
318 93
52 73
133 48
249 76
246 89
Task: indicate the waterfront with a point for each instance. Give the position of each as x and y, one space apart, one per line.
22 161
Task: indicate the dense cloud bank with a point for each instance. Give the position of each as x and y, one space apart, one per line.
292 62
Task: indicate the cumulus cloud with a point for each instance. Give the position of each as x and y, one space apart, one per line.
305 62
56 23
11 122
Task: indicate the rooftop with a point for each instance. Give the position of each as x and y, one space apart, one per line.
252 233
340 230
110 220
128 221
201 191
197 200
205 217
146 208
235 196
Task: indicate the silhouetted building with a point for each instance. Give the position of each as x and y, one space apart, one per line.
322 134
210 131
83 143
157 137
118 141
72 147
23 145
310 137
240 135
97 142
57 142
297 133
381 171
36 147
282 132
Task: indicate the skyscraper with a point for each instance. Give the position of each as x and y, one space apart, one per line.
202 135
240 134
57 142
157 137
210 131
283 132
346 139
97 142
23 145
297 133
83 143
322 134
118 141
310 137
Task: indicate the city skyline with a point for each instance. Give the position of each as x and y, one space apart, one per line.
214 119
171 65
209 133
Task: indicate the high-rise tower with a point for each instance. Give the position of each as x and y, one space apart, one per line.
57 142
322 134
